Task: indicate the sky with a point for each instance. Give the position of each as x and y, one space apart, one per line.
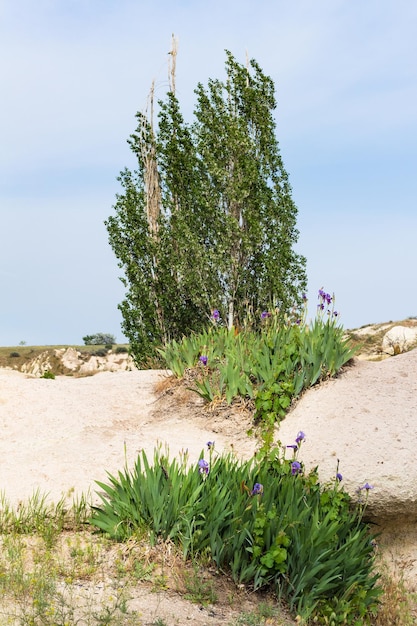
75 72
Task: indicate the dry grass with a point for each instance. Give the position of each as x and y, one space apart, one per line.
398 604
87 579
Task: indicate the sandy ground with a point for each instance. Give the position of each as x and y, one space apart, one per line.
60 436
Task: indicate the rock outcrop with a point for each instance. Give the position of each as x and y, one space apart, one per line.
399 339
380 341
69 361
366 420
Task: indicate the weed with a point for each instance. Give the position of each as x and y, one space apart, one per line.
265 615
198 588
48 374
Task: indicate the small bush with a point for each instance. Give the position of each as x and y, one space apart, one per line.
14 355
48 374
121 350
101 352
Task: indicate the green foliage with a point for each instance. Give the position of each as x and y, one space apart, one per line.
271 364
207 218
258 520
48 374
100 339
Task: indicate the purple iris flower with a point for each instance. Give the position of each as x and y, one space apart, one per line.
339 476
300 437
265 314
293 446
215 315
295 468
203 467
257 490
325 297
210 444
367 486
203 359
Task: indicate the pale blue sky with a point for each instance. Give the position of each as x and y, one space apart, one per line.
74 73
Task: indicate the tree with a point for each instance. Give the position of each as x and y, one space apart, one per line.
99 339
248 191
207 219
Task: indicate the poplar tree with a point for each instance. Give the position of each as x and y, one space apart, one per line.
207 220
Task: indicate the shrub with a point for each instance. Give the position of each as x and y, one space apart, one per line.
14 355
121 350
101 353
48 374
